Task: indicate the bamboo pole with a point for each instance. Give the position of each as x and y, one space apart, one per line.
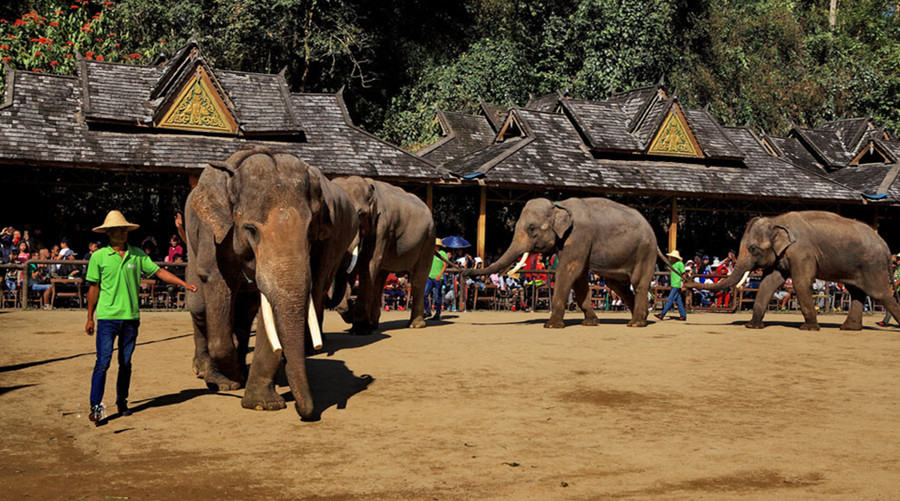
673 226
482 218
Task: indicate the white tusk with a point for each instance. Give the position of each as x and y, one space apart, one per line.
268 317
313 322
353 259
743 279
519 265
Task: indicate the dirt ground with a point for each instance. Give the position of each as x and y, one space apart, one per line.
484 405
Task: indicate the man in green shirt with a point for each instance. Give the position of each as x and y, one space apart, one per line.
114 274
676 292
435 279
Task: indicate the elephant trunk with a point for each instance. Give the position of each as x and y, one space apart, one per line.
288 299
735 279
509 257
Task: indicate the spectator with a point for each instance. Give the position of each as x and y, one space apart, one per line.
12 277
676 285
6 243
723 269
92 248
24 251
39 278
393 293
783 296
174 248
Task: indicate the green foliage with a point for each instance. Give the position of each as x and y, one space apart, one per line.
47 41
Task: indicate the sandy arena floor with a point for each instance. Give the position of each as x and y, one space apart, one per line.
483 405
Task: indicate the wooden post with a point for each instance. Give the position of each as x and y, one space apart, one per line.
875 220
673 227
482 218
429 196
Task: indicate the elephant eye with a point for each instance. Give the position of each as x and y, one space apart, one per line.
252 233
753 249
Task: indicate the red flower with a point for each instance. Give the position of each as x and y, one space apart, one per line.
37 70
70 43
19 22
89 53
136 55
116 45
37 53
99 58
3 21
68 56
54 23
73 6
6 59
53 63
4 47
89 57
58 12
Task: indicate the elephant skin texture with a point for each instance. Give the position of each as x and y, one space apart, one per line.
589 235
396 234
262 223
806 245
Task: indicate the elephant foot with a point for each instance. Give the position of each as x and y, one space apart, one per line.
201 365
217 381
362 328
590 322
554 324
754 325
851 326
262 398
810 326
416 323
637 323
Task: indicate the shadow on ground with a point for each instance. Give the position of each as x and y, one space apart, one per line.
332 384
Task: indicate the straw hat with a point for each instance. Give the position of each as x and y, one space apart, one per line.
115 219
675 254
438 242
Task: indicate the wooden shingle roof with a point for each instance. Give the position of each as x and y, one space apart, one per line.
589 146
104 118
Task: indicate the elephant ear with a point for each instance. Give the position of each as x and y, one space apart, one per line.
210 199
373 202
318 204
781 239
560 220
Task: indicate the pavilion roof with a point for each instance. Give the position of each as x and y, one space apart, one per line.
115 116
630 144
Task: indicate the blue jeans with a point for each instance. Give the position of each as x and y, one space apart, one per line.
674 298
107 331
433 294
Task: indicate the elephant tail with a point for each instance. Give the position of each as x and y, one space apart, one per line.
665 259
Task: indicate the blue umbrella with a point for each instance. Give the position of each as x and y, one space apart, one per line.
455 242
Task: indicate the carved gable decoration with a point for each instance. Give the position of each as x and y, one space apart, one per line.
675 137
199 107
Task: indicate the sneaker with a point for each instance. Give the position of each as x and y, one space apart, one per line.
48 307
427 314
124 410
96 413
436 317
881 324
659 316
681 318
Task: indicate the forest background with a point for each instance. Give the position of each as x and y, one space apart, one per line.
767 63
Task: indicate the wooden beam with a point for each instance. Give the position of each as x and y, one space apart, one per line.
429 196
482 218
673 226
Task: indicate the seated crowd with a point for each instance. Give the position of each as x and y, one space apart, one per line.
22 246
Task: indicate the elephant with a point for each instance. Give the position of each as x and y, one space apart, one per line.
805 245
590 235
396 234
266 232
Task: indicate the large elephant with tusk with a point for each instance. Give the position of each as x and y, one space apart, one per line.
396 234
266 232
590 235
806 245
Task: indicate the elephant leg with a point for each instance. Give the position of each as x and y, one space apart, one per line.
246 308
344 308
803 280
219 366
623 290
418 277
375 305
567 273
767 287
260 393
582 290
854 315
886 297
